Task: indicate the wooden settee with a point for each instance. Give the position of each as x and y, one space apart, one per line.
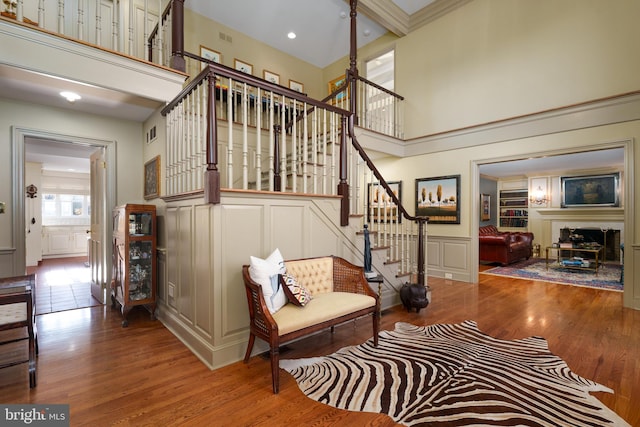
340 292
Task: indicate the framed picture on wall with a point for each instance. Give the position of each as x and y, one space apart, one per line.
590 190
245 67
380 205
152 178
439 199
297 86
211 55
485 207
342 97
271 77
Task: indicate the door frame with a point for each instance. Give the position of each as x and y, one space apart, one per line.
18 135
627 187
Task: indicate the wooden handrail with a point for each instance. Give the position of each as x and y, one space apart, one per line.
240 77
380 88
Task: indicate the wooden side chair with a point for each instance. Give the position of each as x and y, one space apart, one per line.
17 312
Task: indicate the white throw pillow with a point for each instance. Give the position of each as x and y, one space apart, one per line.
262 271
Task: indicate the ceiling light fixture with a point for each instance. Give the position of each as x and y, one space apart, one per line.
70 96
291 35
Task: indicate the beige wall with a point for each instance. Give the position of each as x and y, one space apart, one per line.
495 59
203 31
491 60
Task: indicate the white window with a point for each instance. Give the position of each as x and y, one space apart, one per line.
381 106
380 70
65 206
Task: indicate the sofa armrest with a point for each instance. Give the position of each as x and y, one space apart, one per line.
348 277
523 237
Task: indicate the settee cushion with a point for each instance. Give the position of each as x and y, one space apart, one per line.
296 292
323 307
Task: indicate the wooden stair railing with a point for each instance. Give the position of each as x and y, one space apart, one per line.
250 108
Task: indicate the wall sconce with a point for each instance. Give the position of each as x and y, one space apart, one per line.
538 197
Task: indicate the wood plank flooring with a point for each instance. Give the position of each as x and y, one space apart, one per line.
143 375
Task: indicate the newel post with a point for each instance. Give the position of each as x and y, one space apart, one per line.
212 174
343 185
177 36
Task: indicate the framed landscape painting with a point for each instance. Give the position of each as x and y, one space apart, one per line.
590 191
439 199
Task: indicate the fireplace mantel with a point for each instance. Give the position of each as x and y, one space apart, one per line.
583 214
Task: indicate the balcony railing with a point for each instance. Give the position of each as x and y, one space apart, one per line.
122 26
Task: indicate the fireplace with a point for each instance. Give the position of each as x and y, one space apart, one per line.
608 238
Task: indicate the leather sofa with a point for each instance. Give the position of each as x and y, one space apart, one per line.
504 247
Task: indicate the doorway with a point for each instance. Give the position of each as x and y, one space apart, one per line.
623 148
101 263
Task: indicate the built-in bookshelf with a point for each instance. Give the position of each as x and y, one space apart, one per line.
514 208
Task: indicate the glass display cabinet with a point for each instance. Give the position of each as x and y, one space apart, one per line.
134 258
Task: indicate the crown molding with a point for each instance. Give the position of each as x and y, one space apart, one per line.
434 11
399 22
387 14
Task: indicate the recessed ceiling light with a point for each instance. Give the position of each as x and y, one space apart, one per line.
291 35
70 96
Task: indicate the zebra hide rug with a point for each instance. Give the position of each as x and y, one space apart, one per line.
453 375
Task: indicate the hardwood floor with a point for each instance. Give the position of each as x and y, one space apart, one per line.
142 375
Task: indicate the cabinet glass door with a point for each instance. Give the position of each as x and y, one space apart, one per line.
140 272
140 224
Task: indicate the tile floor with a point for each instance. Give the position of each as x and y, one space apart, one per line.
62 284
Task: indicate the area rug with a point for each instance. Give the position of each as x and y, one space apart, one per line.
608 277
453 375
